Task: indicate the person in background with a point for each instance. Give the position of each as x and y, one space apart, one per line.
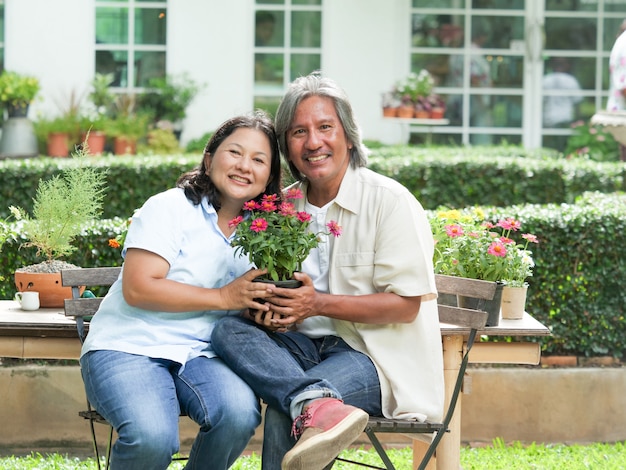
559 111
148 355
617 77
363 330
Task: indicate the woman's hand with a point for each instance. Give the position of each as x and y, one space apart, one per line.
244 293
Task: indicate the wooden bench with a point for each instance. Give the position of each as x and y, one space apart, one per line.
468 318
82 308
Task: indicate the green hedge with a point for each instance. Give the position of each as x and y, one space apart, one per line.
580 261
454 176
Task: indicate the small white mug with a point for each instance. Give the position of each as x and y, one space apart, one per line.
29 300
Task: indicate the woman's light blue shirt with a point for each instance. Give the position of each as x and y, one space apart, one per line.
188 238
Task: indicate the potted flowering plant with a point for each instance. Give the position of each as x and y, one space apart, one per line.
466 245
275 236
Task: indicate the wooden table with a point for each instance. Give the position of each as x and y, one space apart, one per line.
48 334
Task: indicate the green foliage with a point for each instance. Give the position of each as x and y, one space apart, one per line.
276 237
17 90
62 206
593 142
168 98
198 145
160 142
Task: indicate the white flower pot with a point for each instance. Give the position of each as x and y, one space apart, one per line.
513 302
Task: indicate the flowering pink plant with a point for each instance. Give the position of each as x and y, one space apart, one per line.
275 236
468 246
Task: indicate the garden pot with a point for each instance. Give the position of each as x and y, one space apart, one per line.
437 113
422 114
288 284
51 290
492 307
390 112
58 144
405 112
124 146
95 141
513 302
18 139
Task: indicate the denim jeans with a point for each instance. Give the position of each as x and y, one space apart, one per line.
142 398
288 369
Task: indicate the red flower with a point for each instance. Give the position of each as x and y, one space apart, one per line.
250 206
258 225
236 221
303 216
294 193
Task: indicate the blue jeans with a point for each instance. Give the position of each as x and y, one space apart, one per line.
142 397
288 369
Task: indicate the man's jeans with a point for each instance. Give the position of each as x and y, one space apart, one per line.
142 398
288 369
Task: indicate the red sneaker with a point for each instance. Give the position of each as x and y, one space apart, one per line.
325 427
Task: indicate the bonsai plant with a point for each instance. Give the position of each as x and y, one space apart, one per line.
62 206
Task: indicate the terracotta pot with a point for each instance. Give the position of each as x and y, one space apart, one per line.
437 113
422 114
390 112
58 144
51 291
124 146
95 141
405 112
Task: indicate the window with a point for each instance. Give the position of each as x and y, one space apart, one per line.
130 41
287 44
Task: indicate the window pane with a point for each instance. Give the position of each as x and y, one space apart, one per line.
436 64
150 26
269 28
612 28
306 29
267 103
306 2
115 63
271 2
497 31
111 25
304 64
571 33
500 4
572 5
149 65
268 68
439 3
437 31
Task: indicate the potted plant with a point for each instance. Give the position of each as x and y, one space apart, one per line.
58 134
63 205
17 91
467 245
168 97
276 237
96 121
127 125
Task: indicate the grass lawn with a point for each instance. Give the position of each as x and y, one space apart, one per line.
494 457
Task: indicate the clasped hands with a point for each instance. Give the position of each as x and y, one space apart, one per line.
284 308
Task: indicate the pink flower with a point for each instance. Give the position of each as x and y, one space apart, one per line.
267 206
454 230
497 249
287 208
303 216
270 198
334 228
249 206
258 225
294 193
509 224
236 221
530 237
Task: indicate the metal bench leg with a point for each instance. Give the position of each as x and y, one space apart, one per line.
379 448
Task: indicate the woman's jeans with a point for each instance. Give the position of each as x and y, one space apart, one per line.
288 369
142 398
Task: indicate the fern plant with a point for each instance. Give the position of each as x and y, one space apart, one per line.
62 206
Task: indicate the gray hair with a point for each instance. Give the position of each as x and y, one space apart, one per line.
316 85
